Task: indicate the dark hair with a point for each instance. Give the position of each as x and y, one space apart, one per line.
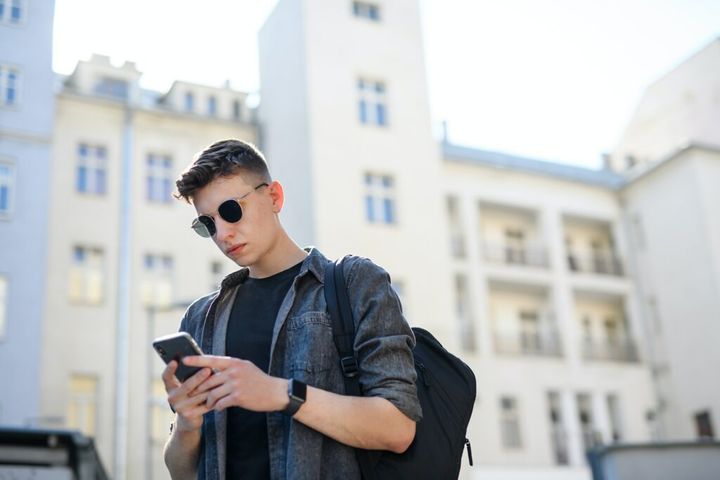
222 159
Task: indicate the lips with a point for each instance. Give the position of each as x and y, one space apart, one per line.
236 249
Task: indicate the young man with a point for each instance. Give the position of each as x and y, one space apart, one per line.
268 401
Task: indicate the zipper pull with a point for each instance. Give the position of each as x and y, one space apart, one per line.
469 451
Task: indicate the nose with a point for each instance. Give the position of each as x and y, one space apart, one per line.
224 230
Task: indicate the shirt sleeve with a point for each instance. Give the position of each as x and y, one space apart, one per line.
383 338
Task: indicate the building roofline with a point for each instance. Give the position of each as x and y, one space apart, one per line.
499 160
646 169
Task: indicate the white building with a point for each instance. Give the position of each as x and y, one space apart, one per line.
26 121
103 119
519 265
546 278
671 154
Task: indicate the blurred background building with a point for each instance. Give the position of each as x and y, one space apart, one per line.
586 301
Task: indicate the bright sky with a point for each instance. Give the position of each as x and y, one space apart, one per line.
549 79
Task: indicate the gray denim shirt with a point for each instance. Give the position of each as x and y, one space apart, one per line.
303 348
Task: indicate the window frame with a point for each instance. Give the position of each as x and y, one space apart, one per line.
158 178
10 187
365 10
372 101
92 261
93 165
5 70
381 206
7 12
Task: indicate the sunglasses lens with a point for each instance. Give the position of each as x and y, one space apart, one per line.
230 211
204 226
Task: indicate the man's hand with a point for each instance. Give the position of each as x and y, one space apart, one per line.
185 398
239 383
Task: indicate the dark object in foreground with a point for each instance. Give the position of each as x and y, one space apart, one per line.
59 454
656 461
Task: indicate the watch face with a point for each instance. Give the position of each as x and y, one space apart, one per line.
299 390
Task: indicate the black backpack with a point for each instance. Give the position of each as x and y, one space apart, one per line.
445 387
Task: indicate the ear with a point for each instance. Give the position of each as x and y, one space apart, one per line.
277 195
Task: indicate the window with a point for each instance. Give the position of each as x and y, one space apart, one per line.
156 289
515 246
614 414
530 331
3 305
91 172
510 423
112 87
587 423
370 11
189 102
457 238
159 178
82 408
11 11
86 275
558 435
463 311
371 102
237 110
703 425
7 187
9 85
212 106
380 199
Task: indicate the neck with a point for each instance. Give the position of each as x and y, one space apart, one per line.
282 255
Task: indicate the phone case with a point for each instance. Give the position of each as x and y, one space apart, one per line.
174 347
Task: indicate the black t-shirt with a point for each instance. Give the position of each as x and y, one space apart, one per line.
249 335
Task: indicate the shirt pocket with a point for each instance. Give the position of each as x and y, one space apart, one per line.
311 349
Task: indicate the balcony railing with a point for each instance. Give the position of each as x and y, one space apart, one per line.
604 264
509 255
623 350
544 344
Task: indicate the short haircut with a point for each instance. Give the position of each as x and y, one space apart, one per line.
222 159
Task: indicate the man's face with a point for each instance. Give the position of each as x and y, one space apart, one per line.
249 239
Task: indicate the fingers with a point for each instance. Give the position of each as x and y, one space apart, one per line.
193 382
222 397
168 376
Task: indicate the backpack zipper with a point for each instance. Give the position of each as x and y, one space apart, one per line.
469 451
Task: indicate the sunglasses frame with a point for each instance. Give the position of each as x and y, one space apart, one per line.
204 225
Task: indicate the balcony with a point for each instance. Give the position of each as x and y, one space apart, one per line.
618 350
541 344
522 256
605 263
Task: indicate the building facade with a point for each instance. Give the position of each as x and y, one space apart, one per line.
670 154
518 265
104 118
26 122
578 307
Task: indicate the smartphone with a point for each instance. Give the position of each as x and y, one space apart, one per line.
176 346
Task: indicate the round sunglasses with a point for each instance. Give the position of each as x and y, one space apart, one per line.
229 210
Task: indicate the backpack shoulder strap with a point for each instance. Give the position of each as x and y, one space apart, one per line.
338 303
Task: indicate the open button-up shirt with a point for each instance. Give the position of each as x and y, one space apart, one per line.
303 348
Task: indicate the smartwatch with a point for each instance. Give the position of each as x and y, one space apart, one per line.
297 391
